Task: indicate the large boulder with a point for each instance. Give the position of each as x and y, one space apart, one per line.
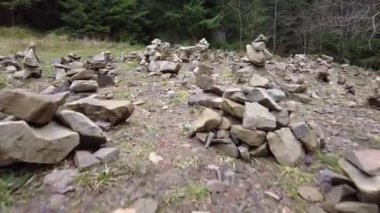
91 136
28 106
111 111
285 147
209 120
233 108
368 186
257 117
47 145
252 138
261 96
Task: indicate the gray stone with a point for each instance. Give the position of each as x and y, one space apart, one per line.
49 144
105 80
356 207
164 67
207 100
28 106
30 58
302 98
294 88
229 150
201 136
285 147
83 75
253 138
84 86
368 186
60 73
257 117
339 194
216 186
107 155
260 152
225 124
233 108
282 118
306 135
91 136
204 81
261 96
208 121
276 94
368 161
258 81
315 209
85 160
310 193
60 180
257 58
111 111
244 153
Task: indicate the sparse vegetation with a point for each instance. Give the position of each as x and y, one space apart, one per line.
10 183
3 81
330 160
191 192
179 98
186 163
291 178
94 180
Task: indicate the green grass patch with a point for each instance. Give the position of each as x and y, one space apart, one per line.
3 81
179 98
291 178
330 161
9 184
192 192
94 180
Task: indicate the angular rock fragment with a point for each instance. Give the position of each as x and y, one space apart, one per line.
208 121
252 138
257 117
233 108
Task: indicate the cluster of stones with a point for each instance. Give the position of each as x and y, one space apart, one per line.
359 192
23 65
252 123
82 77
374 98
192 53
44 129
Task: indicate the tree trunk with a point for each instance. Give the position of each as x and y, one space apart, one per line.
274 26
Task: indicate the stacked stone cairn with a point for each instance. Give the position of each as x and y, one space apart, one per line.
158 58
374 98
192 53
23 65
255 120
49 128
82 77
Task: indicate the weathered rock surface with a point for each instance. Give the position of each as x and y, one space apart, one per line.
91 136
368 161
306 135
229 150
282 118
255 57
258 81
85 160
261 96
233 108
164 67
252 138
84 86
60 180
285 147
108 154
295 88
208 121
310 193
260 152
356 207
40 109
276 94
207 100
112 111
46 145
368 186
83 75
257 117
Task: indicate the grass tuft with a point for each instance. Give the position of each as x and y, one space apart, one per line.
94 180
291 178
10 183
179 98
330 161
192 192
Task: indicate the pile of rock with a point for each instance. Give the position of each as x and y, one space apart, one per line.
83 77
359 192
159 58
252 124
37 128
257 53
23 65
192 53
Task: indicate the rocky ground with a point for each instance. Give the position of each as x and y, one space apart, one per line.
160 166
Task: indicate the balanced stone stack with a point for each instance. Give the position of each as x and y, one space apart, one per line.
9 65
83 77
253 124
191 53
160 59
257 53
37 128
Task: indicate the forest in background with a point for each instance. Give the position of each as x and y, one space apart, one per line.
348 30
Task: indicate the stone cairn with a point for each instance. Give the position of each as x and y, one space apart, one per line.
22 65
252 123
56 122
83 77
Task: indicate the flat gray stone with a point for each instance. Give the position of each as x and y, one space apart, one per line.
257 117
85 160
367 161
107 155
